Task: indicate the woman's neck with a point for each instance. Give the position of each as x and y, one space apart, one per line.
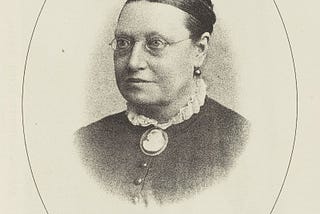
163 113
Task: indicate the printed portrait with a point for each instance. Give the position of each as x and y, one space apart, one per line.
172 140
175 106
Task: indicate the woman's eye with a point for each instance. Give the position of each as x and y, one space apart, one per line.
156 44
123 43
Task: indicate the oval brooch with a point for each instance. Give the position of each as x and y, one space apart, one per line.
153 141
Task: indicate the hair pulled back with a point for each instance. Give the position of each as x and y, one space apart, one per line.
201 15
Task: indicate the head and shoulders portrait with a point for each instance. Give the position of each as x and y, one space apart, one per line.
173 140
159 105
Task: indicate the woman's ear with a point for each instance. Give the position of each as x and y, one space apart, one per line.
202 46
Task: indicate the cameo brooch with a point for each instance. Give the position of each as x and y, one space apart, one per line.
153 141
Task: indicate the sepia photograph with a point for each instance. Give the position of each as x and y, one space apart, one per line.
173 140
156 106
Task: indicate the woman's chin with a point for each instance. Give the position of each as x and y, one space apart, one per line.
142 98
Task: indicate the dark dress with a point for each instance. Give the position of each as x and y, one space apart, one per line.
199 152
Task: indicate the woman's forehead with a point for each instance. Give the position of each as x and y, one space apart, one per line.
143 18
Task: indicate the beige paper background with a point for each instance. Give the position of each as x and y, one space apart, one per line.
18 194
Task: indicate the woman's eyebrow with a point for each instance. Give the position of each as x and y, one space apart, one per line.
155 33
121 34
146 35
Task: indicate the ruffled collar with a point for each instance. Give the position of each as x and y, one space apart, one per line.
193 107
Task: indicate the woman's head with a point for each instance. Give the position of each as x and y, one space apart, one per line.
156 53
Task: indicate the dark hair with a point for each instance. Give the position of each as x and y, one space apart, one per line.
201 15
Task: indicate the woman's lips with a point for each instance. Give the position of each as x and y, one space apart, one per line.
137 80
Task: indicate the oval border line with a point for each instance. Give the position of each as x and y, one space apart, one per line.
296 107
22 104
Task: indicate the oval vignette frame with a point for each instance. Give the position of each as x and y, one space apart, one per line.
296 105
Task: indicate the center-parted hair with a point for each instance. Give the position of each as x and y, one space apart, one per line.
201 15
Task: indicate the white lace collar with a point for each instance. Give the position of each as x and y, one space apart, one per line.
193 107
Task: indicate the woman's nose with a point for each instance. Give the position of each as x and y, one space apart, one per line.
137 59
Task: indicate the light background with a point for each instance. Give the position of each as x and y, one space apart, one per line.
18 194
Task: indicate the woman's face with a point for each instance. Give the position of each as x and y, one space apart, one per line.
151 72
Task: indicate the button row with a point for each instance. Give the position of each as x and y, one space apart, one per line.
138 181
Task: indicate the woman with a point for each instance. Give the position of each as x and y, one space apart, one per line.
173 140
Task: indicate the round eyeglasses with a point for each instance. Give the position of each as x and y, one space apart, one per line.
154 45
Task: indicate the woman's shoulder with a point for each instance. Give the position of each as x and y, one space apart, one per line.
222 114
229 125
109 123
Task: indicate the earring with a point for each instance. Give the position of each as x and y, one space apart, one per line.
197 72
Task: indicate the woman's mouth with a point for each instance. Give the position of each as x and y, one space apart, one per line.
136 80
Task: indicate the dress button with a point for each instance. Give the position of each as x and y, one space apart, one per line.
138 181
135 199
143 164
